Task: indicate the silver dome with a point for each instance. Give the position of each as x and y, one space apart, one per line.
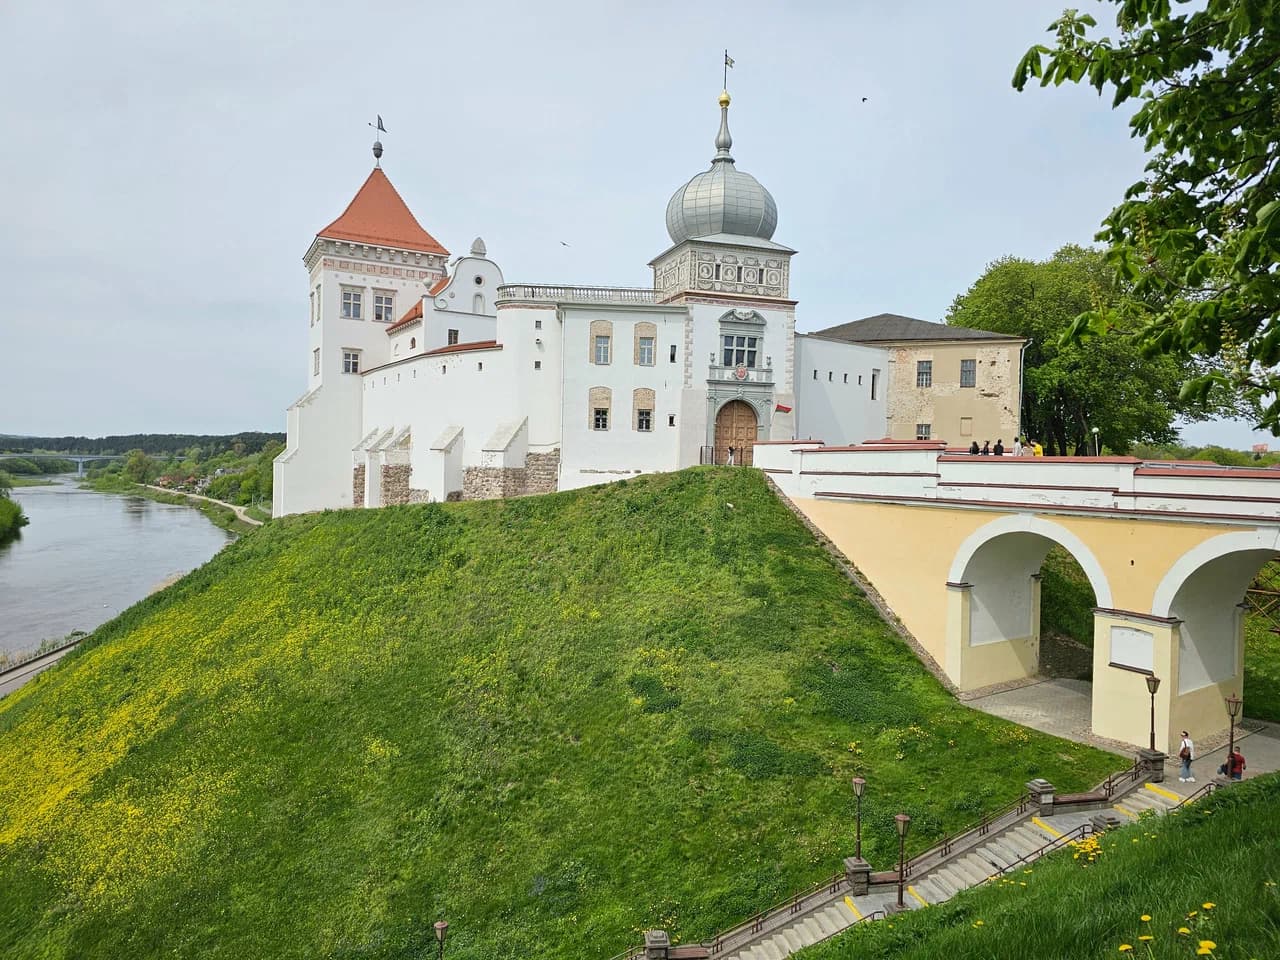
722 199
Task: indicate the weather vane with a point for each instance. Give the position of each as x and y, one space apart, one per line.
728 62
377 143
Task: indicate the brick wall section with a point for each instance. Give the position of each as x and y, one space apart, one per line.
357 486
542 472
395 484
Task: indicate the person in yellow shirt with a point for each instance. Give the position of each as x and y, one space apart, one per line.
1036 449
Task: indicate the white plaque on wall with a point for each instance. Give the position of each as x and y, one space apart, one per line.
1132 648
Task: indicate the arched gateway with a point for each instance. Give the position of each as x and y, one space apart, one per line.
736 426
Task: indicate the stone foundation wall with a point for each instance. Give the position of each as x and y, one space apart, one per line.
395 484
491 483
357 486
543 472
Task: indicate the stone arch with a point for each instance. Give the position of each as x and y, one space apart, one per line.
1219 547
1037 526
737 425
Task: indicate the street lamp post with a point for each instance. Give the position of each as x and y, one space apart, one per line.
1153 684
1097 446
858 786
442 931
903 823
1233 711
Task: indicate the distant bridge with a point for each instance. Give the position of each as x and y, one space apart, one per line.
80 459
954 545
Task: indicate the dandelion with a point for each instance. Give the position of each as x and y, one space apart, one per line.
1208 945
1146 918
1145 937
1192 914
1126 947
1209 906
1184 931
977 923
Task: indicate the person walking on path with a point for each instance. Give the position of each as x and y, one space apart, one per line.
998 449
973 449
1036 449
729 462
986 447
1186 753
1234 766
1017 446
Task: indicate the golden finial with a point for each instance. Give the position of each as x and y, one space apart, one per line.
724 98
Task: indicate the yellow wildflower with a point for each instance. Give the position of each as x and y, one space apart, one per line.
1126 947
1183 930
977 923
1203 952
1145 937
1208 945
1209 906
1145 918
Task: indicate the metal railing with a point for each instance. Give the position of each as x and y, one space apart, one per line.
1114 781
1204 791
735 936
943 849
1071 836
571 294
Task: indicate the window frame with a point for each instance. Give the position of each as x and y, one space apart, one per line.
351 358
644 420
970 367
600 418
602 345
924 374
384 306
924 431
740 350
451 338
651 343
315 362
352 303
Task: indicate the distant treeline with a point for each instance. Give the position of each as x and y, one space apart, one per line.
155 444
34 466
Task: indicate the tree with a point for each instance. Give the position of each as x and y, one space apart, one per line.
1198 237
6 483
1070 387
139 468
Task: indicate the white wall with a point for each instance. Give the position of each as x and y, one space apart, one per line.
833 391
589 456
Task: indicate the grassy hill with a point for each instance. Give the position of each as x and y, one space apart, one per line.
1210 870
553 721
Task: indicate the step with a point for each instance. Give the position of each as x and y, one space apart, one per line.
1007 850
956 880
840 915
1161 799
930 892
1019 841
794 938
1044 835
823 923
992 854
969 870
814 930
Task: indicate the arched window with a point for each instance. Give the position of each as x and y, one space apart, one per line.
599 408
413 343
477 303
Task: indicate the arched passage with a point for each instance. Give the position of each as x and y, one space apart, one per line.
994 609
736 427
1203 595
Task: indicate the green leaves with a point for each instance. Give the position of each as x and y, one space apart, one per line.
1201 272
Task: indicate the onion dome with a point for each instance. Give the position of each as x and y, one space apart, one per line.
722 200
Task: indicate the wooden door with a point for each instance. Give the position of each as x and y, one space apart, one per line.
736 427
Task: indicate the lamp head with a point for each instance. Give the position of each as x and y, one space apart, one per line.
858 786
903 823
1233 706
1153 684
442 930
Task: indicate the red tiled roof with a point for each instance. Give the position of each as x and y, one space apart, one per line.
438 285
464 347
377 215
414 313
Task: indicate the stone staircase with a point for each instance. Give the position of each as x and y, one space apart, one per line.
1002 852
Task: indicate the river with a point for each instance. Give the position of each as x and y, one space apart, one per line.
86 556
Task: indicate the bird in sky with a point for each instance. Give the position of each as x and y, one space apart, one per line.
563 244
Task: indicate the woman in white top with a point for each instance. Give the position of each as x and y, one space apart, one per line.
1186 753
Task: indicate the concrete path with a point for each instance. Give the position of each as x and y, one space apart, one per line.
239 511
14 677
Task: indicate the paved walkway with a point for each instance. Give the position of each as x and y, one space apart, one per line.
1062 708
239 511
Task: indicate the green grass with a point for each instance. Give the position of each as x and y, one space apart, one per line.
25 481
1211 868
218 515
555 721
258 512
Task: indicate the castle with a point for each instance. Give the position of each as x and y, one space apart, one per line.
434 379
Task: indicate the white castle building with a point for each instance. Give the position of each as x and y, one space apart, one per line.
434 379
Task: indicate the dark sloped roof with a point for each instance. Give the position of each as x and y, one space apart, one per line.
891 326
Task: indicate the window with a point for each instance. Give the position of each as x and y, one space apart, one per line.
642 403
351 300
830 376
846 378
413 343
644 420
384 306
924 373
599 403
815 374
922 431
602 353
315 362
313 308
671 420
537 324
477 303
350 361
644 355
875 383
453 337
537 364
966 426
600 418
740 351
479 280
673 353
480 365
968 373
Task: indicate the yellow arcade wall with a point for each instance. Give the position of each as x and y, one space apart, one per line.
907 552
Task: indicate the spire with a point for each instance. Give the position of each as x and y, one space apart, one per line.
723 139
377 143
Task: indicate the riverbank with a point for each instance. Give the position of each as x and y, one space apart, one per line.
228 516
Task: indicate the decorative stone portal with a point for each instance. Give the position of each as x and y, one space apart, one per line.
737 427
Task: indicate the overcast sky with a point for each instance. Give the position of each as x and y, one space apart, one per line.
165 166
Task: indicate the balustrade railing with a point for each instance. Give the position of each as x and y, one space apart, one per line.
719 373
573 294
